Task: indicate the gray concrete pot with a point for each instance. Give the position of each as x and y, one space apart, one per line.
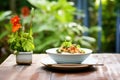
24 58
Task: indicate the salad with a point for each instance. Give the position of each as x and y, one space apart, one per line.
68 47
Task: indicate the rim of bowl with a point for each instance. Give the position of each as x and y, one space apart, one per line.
89 51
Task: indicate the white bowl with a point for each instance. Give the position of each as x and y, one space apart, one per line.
68 58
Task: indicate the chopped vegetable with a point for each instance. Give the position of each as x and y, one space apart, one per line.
68 47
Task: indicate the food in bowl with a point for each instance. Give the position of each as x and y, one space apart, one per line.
66 56
68 47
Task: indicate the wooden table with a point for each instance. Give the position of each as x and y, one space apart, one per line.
9 70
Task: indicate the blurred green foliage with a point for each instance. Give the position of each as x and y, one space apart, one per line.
4 27
109 26
48 23
4 31
108 37
54 22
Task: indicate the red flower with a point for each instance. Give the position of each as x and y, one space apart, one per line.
16 27
25 11
15 23
15 20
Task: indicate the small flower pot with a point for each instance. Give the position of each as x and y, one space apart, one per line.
24 58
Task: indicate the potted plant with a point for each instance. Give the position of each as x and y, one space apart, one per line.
21 41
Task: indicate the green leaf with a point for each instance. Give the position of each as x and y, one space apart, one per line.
66 44
28 45
4 15
88 39
3 34
85 44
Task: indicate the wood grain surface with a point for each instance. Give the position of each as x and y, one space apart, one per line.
9 70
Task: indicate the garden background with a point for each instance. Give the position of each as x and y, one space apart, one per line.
59 20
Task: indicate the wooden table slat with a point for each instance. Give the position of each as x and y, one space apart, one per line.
9 70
